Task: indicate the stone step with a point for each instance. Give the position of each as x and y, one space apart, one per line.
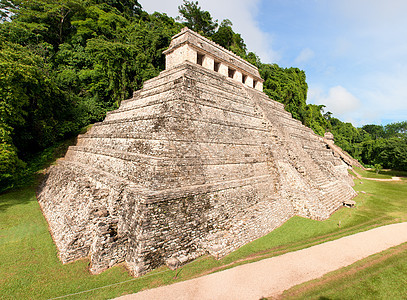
262 96
338 193
191 190
110 179
209 96
187 67
150 196
277 115
138 102
193 109
180 127
215 79
159 173
304 133
283 121
197 76
172 148
234 95
206 99
163 162
275 111
202 86
148 137
164 77
171 86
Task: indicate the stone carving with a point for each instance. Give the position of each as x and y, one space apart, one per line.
197 161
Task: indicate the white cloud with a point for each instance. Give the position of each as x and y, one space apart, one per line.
339 101
386 95
242 13
170 7
377 23
304 56
369 57
378 99
376 12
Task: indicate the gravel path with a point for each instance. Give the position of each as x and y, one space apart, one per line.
381 179
270 277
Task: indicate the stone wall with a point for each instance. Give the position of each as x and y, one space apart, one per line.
194 163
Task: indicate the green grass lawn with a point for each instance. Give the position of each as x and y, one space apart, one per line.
380 276
29 266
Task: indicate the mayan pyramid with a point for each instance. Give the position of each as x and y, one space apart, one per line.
199 161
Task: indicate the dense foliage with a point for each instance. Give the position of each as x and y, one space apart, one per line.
289 86
373 144
65 63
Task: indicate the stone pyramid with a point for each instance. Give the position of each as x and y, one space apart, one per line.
198 161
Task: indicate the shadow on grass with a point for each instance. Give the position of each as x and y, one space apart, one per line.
394 173
384 174
17 197
32 175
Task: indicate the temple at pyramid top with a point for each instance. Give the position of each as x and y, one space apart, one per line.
190 46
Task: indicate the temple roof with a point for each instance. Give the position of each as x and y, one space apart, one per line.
206 46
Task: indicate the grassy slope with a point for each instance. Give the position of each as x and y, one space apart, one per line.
30 267
380 276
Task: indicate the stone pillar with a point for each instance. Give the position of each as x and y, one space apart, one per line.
259 86
223 69
190 54
238 76
249 81
169 61
208 62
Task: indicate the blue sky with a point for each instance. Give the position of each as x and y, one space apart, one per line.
354 52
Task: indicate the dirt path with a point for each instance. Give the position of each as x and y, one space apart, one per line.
270 277
380 179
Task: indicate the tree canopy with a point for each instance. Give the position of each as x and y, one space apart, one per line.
65 63
197 19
